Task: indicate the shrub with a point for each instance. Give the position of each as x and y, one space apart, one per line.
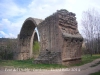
36 48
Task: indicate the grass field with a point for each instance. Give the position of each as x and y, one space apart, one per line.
29 64
87 59
96 73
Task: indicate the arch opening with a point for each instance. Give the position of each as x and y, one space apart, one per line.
27 38
35 45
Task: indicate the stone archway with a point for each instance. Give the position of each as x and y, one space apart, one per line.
34 39
60 40
26 37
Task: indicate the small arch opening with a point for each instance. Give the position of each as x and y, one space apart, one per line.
35 44
27 38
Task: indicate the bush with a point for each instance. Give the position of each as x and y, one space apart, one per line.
7 47
36 48
6 53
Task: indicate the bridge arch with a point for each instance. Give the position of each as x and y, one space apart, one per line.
26 38
28 27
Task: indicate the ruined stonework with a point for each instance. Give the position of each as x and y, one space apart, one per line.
60 41
26 38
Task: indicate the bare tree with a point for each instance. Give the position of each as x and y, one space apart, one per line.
91 29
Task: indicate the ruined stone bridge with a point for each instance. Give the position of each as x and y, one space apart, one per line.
60 40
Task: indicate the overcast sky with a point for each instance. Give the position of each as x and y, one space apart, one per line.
14 12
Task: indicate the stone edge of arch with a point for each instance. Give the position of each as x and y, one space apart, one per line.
36 22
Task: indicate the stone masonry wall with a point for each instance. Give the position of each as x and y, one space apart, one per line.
50 39
60 37
60 41
72 40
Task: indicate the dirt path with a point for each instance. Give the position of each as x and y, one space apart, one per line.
81 70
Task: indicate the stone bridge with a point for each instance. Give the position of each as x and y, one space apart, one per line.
60 41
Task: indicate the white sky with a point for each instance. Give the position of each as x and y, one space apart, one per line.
14 12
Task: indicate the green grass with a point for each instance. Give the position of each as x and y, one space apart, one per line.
29 64
95 64
36 48
87 59
96 73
